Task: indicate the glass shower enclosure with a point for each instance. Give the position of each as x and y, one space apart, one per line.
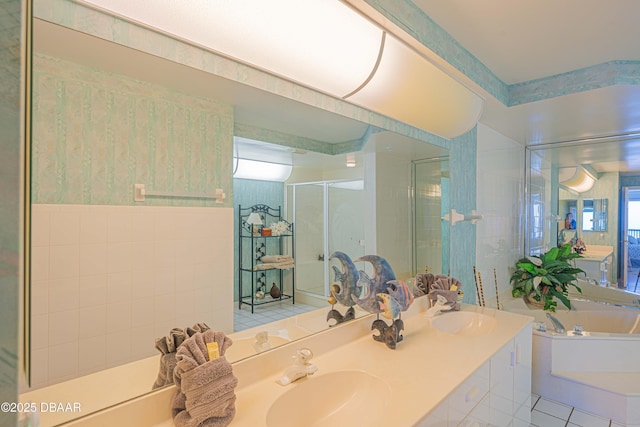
328 217
430 201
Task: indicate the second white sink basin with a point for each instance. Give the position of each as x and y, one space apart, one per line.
465 323
349 398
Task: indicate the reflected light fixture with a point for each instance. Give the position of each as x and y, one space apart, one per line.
322 44
262 171
576 178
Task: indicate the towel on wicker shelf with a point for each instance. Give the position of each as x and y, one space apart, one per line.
168 346
204 388
276 259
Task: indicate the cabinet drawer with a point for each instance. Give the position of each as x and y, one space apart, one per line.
469 394
437 417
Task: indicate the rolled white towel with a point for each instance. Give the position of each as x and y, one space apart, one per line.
284 265
276 258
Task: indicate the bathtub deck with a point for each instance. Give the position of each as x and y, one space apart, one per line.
624 383
596 374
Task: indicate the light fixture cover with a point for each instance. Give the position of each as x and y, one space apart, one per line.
409 88
322 44
576 178
319 43
262 171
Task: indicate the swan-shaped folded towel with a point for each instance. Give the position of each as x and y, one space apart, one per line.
204 388
168 346
441 286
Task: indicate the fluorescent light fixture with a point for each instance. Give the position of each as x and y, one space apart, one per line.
576 178
411 89
263 171
322 44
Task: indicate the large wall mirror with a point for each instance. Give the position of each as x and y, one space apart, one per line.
590 213
595 214
110 275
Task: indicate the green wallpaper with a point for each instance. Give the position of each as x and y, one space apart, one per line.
462 196
95 134
11 12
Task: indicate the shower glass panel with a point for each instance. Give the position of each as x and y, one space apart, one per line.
430 204
328 217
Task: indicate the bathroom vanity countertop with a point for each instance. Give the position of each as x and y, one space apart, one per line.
424 369
427 366
596 253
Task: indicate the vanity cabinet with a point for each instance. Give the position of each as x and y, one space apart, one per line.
496 394
256 278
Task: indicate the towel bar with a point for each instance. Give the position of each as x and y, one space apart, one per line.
139 194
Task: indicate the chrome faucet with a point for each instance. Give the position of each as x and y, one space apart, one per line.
300 369
557 325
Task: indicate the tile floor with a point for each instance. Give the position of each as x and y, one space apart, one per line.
549 413
244 319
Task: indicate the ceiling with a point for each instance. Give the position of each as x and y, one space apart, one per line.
520 41
526 40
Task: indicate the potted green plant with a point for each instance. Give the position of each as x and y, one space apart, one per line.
543 278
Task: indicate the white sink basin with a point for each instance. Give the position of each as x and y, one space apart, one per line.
343 398
464 323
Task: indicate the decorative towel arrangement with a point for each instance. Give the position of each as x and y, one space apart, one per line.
423 284
168 346
283 262
442 285
205 388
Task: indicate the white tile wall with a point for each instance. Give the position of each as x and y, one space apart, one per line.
108 280
500 199
393 180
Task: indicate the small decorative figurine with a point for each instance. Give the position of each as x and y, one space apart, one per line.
381 294
348 277
275 291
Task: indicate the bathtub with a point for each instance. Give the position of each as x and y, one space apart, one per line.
595 318
597 371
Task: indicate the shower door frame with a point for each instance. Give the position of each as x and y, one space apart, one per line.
325 229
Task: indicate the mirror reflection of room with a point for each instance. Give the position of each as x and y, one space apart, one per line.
597 207
594 214
108 272
568 232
